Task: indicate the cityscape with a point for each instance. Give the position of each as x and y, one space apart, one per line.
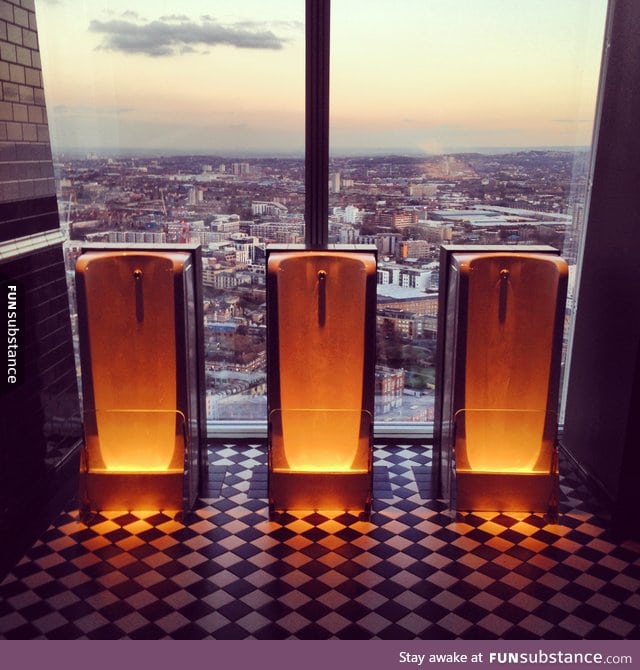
221 163
407 206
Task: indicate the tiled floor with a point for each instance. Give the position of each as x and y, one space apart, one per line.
413 571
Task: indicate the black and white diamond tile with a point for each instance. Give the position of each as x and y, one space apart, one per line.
414 570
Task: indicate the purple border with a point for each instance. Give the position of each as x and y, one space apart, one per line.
314 655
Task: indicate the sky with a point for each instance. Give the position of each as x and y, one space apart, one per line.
227 76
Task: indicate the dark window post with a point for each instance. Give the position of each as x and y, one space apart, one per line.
317 123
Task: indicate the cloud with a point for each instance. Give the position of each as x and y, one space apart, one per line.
286 25
174 35
175 17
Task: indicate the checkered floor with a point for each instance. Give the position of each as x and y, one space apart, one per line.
413 571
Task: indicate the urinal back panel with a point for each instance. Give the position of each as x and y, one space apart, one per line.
321 358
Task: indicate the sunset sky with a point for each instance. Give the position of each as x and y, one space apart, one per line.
227 76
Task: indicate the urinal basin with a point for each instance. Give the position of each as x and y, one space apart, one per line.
510 397
130 389
321 306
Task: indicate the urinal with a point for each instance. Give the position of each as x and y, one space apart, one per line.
508 329
321 308
138 353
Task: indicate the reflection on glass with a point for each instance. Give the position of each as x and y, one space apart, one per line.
429 146
176 123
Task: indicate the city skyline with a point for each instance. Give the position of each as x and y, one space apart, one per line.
203 78
406 207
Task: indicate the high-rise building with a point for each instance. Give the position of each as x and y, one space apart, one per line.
334 182
351 214
195 196
240 169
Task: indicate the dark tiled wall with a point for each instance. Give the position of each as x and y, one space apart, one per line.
27 217
39 417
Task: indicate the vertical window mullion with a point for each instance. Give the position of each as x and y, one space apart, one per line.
317 123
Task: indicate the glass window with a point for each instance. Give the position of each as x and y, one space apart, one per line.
184 122
455 122
465 122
